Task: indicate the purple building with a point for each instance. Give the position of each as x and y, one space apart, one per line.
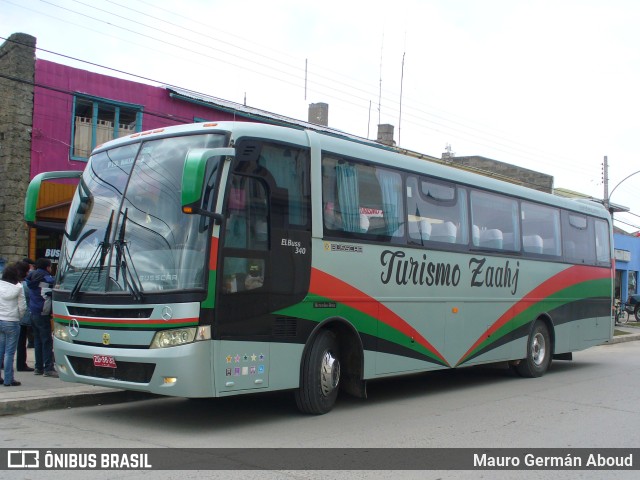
53 115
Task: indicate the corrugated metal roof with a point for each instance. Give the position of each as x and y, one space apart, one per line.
261 115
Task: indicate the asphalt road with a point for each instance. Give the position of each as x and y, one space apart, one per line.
591 402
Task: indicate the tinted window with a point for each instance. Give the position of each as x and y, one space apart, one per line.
578 238
289 168
603 248
540 229
494 221
361 199
436 212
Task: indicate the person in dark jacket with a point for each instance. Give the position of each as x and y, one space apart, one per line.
40 282
25 266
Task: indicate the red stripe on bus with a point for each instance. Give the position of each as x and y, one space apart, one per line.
328 286
120 321
213 254
571 276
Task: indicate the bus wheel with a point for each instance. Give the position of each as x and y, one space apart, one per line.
320 379
538 353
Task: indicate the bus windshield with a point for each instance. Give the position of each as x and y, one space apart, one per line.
126 231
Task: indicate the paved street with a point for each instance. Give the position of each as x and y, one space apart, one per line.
590 402
39 393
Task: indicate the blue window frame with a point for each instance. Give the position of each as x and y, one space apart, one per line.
97 120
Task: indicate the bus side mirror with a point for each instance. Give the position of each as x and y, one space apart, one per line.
33 192
193 179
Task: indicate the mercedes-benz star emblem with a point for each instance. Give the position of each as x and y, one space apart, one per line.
167 313
74 327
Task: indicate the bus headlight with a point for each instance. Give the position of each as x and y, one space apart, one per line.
61 332
180 336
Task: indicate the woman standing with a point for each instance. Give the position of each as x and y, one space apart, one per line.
12 307
24 267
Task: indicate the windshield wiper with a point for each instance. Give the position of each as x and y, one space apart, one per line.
105 245
129 274
102 248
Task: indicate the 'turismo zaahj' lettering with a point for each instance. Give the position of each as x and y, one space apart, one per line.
417 272
404 270
491 276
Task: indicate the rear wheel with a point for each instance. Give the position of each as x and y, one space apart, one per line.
320 376
623 317
539 352
636 312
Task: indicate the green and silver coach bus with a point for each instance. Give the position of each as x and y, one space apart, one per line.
218 259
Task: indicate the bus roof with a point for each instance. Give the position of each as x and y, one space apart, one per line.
365 150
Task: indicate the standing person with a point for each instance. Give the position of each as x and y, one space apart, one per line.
24 267
40 282
12 307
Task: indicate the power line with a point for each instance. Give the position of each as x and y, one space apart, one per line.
628 224
438 127
359 102
170 117
166 116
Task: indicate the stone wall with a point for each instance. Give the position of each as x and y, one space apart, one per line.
17 73
523 176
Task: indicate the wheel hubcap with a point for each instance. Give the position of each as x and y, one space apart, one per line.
329 373
538 349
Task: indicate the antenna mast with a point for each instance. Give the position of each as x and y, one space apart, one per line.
380 91
401 83
369 119
306 66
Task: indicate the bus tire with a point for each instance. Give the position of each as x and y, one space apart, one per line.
320 376
538 358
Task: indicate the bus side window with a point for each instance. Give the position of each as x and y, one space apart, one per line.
540 229
578 238
289 170
495 221
258 218
341 197
436 212
236 222
361 199
603 248
246 228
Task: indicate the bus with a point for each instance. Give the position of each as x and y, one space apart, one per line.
217 259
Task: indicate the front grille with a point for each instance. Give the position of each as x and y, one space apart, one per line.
110 312
127 371
285 327
111 345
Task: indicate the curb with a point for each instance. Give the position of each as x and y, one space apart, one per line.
70 400
630 337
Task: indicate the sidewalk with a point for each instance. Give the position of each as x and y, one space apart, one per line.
43 393
46 393
627 334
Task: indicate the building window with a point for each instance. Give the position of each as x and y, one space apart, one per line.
96 121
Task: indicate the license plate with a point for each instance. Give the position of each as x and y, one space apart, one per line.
104 361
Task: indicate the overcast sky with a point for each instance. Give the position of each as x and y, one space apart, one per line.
547 85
